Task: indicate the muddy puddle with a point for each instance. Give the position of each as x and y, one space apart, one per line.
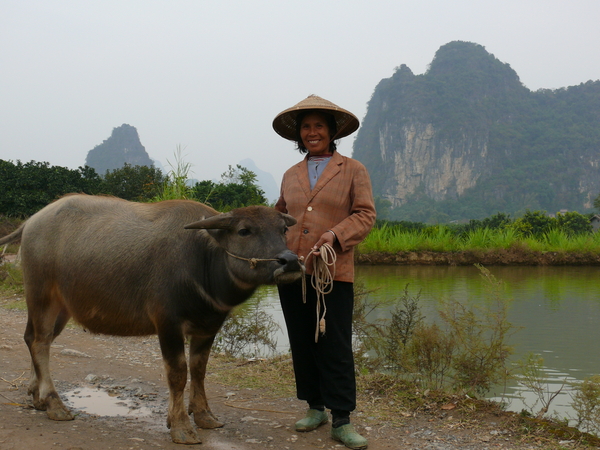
102 402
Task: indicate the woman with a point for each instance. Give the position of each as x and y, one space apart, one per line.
330 196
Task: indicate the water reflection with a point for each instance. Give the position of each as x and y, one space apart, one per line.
557 309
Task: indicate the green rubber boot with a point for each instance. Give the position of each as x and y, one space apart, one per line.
314 418
349 437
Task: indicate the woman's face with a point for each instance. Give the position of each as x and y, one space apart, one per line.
314 132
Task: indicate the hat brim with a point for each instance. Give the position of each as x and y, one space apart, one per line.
285 123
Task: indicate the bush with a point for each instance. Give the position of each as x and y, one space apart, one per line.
11 279
405 319
237 189
498 221
586 403
28 187
467 351
368 334
134 183
431 351
9 224
573 223
531 375
533 223
248 331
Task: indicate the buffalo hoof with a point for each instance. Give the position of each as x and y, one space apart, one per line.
206 420
39 405
185 436
56 410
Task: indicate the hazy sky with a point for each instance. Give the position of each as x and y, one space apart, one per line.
211 75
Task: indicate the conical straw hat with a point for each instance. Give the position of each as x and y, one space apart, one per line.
284 123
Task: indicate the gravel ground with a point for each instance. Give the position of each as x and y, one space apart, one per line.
125 376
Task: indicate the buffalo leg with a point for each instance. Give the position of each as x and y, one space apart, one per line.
43 326
173 351
199 353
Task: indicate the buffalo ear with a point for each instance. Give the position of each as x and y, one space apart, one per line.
219 221
289 220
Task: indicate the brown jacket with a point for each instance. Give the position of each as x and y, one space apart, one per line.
341 201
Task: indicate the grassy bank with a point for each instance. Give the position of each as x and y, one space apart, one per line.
444 239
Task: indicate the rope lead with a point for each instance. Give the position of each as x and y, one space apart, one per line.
251 261
322 281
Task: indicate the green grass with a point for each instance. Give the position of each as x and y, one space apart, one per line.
478 239
440 238
11 280
16 305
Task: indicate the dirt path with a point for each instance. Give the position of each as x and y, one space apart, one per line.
130 370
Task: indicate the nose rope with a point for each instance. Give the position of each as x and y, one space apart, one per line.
322 281
252 261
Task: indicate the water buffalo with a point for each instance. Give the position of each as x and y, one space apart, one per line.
173 268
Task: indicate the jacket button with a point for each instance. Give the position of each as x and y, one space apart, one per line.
305 231
309 208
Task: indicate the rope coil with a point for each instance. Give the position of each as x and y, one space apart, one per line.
322 282
321 278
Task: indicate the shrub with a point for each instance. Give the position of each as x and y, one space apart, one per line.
248 331
480 336
9 224
28 187
134 183
431 351
531 375
174 185
533 223
573 223
467 351
11 279
368 334
586 403
405 320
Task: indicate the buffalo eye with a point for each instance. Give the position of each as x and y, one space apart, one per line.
244 232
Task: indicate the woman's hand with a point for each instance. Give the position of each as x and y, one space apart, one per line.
326 238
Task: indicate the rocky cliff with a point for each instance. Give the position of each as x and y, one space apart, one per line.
466 140
122 147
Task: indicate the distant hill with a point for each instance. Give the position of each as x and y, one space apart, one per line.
265 180
123 146
467 139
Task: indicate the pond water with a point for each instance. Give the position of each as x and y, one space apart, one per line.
557 311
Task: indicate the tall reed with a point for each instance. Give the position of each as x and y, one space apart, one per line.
441 238
391 239
479 238
175 186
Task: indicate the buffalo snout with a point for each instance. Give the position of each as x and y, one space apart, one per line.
291 268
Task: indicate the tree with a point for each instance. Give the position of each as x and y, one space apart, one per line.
382 206
237 189
135 183
238 175
573 223
28 187
533 223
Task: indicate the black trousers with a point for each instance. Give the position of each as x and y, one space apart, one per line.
324 370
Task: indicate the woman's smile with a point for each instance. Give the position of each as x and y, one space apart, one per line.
314 132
